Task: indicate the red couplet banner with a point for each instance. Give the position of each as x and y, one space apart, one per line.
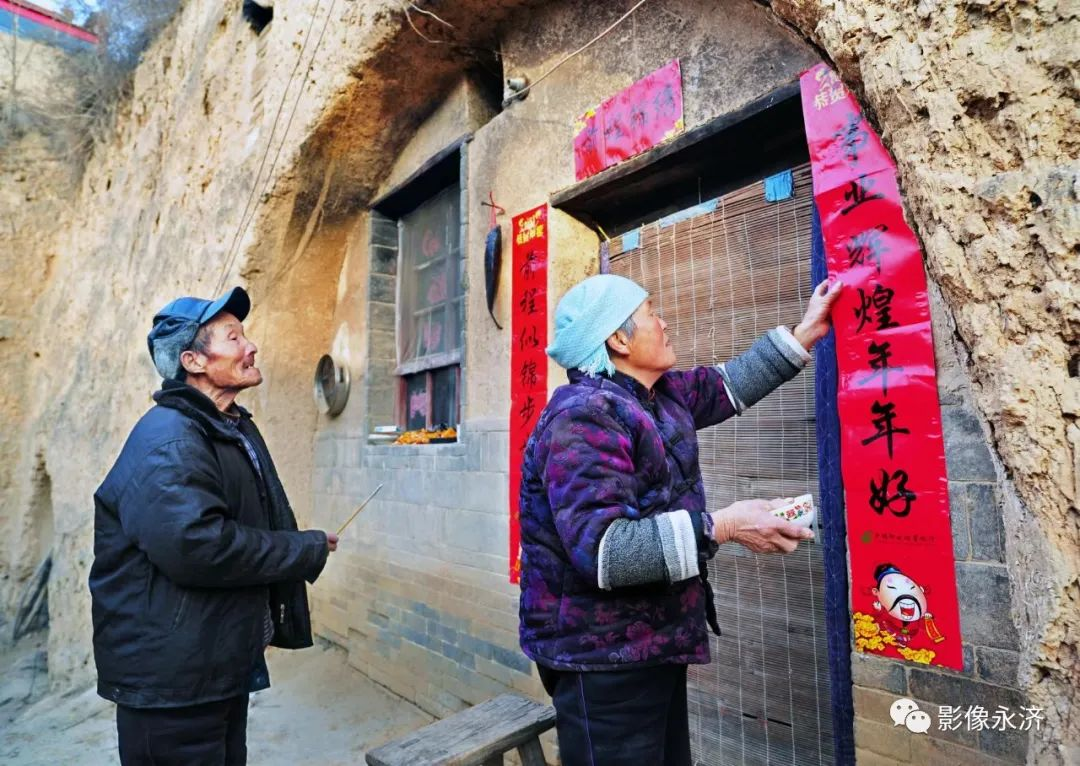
528 363
630 122
903 579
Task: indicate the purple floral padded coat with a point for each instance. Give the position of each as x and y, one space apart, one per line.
607 448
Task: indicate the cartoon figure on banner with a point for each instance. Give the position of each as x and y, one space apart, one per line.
901 620
902 600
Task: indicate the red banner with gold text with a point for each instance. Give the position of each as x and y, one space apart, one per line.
903 580
528 363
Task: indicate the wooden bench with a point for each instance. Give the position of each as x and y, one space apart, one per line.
479 736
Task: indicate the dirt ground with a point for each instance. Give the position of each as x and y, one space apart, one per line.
317 711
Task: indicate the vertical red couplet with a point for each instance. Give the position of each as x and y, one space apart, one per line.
528 362
903 579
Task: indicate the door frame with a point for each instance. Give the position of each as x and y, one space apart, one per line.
615 200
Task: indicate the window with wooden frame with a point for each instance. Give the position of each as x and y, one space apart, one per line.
430 312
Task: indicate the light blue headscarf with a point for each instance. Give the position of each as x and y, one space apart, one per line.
587 316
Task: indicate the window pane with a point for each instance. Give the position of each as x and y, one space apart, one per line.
429 314
444 397
416 401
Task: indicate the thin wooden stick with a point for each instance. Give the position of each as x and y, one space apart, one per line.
357 511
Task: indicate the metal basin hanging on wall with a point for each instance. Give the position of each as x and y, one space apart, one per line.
331 385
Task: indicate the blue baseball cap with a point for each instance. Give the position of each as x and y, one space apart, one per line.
175 326
200 310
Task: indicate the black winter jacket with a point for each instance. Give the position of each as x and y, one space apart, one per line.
190 547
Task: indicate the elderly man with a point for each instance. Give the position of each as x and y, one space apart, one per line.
615 531
198 565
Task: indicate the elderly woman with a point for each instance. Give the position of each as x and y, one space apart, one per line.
614 522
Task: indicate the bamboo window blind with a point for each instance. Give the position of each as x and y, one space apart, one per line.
721 277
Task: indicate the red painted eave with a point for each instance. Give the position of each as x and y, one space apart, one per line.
48 19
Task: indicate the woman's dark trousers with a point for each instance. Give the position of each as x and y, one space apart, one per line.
610 718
